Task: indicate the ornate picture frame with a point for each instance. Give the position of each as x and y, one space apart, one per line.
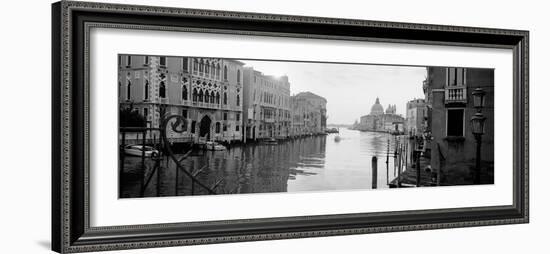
71 229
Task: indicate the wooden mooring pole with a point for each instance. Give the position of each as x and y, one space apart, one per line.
121 169
399 178
400 158
142 190
417 157
374 172
388 163
407 144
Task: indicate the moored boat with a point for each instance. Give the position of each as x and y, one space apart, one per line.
139 150
269 141
214 146
333 130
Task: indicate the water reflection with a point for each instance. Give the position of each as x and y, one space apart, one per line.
307 164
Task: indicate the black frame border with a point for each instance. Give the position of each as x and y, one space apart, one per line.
70 228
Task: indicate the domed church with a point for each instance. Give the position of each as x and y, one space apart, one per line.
377 109
380 120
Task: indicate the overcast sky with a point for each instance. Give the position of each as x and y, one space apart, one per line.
350 89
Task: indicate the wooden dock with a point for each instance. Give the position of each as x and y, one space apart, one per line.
408 176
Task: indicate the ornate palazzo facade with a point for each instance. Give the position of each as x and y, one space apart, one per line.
206 91
266 105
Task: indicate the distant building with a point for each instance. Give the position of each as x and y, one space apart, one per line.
206 91
308 114
448 94
319 103
416 117
380 120
266 105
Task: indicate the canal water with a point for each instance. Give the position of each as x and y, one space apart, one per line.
307 164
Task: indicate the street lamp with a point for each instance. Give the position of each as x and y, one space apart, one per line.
478 124
479 98
478 128
418 149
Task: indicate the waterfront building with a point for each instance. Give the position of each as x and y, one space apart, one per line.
380 120
416 117
308 114
448 95
266 105
319 103
205 91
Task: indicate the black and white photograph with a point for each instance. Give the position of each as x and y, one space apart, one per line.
275 127
192 125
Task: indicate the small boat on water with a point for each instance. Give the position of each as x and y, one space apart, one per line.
337 139
214 146
139 150
269 141
332 130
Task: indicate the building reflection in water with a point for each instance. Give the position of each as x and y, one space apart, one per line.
307 164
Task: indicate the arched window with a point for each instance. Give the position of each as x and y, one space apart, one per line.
195 65
184 92
207 67
200 96
212 97
129 90
225 98
206 97
213 70
225 72
146 92
162 90
193 125
218 127
195 94
238 76
201 66
218 71
217 98
238 100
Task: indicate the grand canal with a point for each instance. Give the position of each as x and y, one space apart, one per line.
308 164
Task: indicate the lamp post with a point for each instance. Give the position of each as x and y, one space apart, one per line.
478 128
418 149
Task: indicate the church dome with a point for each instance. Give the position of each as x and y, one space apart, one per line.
377 109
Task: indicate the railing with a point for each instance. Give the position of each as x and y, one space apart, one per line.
205 105
135 133
179 126
162 147
455 94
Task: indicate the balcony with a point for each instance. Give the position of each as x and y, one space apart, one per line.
163 100
455 94
205 105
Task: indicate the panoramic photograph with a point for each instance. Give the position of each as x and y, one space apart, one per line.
191 125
